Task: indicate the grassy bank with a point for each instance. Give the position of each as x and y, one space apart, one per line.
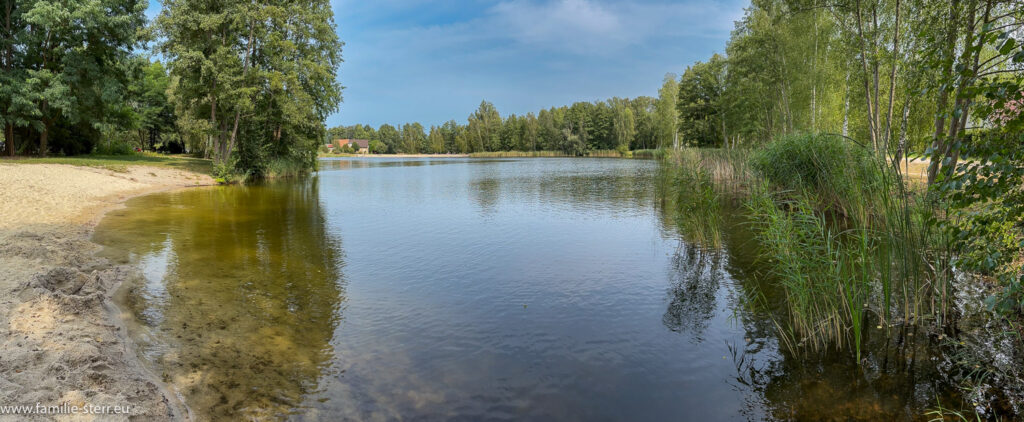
118 163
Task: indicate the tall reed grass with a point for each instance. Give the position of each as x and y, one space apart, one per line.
688 189
844 239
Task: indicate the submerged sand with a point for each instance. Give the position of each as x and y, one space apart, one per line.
61 342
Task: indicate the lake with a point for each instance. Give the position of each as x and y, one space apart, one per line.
473 289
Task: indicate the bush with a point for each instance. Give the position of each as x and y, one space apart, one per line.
836 170
114 148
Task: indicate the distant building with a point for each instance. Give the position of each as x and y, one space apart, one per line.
361 146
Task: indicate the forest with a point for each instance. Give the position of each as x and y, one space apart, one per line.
247 84
620 124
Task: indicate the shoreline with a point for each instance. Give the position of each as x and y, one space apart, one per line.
322 156
62 338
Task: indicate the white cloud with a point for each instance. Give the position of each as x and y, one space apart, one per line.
575 25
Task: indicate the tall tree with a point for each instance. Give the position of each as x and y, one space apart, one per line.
666 116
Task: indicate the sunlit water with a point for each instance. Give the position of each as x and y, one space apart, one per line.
440 289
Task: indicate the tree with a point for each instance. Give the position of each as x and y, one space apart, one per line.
701 112
64 65
263 73
483 127
153 117
377 147
624 124
666 118
390 137
436 140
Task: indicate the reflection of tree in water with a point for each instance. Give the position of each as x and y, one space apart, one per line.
696 276
604 185
253 295
486 192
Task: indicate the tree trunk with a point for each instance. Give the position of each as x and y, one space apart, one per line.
872 126
814 73
9 139
902 148
846 106
43 138
245 71
966 104
892 74
943 96
213 122
879 148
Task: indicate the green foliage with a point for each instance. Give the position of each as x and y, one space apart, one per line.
985 196
377 147
63 67
837 171
224 173
617 124
261 75
700 103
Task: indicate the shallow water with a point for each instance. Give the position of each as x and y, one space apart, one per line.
539 289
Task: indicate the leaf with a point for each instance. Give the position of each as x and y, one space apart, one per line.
1007 46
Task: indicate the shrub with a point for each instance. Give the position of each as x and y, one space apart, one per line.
114 148
836 170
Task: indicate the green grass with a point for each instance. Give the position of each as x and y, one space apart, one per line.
119 163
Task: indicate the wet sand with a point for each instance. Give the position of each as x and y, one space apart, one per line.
61 338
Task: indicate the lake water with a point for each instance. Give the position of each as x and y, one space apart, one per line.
469 289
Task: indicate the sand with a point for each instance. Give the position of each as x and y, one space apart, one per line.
61 341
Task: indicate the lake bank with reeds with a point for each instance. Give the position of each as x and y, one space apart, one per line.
855 259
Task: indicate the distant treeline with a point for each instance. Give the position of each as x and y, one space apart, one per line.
617 124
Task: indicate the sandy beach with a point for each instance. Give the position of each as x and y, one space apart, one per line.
61 342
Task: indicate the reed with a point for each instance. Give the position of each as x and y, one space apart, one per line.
843 237
689 190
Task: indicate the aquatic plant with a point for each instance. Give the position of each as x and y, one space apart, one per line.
688 191
842 236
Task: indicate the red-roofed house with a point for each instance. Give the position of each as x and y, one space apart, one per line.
361 146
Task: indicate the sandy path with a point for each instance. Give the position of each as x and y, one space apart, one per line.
60 342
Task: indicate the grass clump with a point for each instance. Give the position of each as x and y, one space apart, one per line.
837 172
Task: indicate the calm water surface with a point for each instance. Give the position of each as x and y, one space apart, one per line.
439 289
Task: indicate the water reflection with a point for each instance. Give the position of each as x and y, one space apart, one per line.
897 378
696 276
615 186
242 295
547 289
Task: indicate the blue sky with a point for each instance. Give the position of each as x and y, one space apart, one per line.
433 60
